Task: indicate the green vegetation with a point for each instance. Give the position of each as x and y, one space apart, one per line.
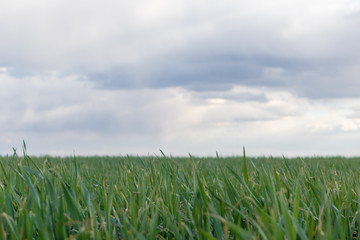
179 198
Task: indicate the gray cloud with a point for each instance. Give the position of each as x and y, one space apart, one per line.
202 73
193 76
57 115
120 45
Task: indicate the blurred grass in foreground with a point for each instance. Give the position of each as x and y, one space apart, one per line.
179 198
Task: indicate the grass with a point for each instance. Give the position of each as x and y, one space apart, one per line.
179 198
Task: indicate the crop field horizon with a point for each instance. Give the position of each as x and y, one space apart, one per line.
164 197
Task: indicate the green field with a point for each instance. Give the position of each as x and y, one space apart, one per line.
160 197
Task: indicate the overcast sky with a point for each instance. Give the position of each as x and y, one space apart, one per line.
132 77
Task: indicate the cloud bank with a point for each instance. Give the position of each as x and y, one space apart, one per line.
114 77
68 114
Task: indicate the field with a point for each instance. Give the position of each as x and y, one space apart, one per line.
160 197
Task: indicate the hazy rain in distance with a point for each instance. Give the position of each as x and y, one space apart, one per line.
117 77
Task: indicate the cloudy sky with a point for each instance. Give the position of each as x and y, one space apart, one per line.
132 77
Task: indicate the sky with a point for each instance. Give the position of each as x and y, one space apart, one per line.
117 77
